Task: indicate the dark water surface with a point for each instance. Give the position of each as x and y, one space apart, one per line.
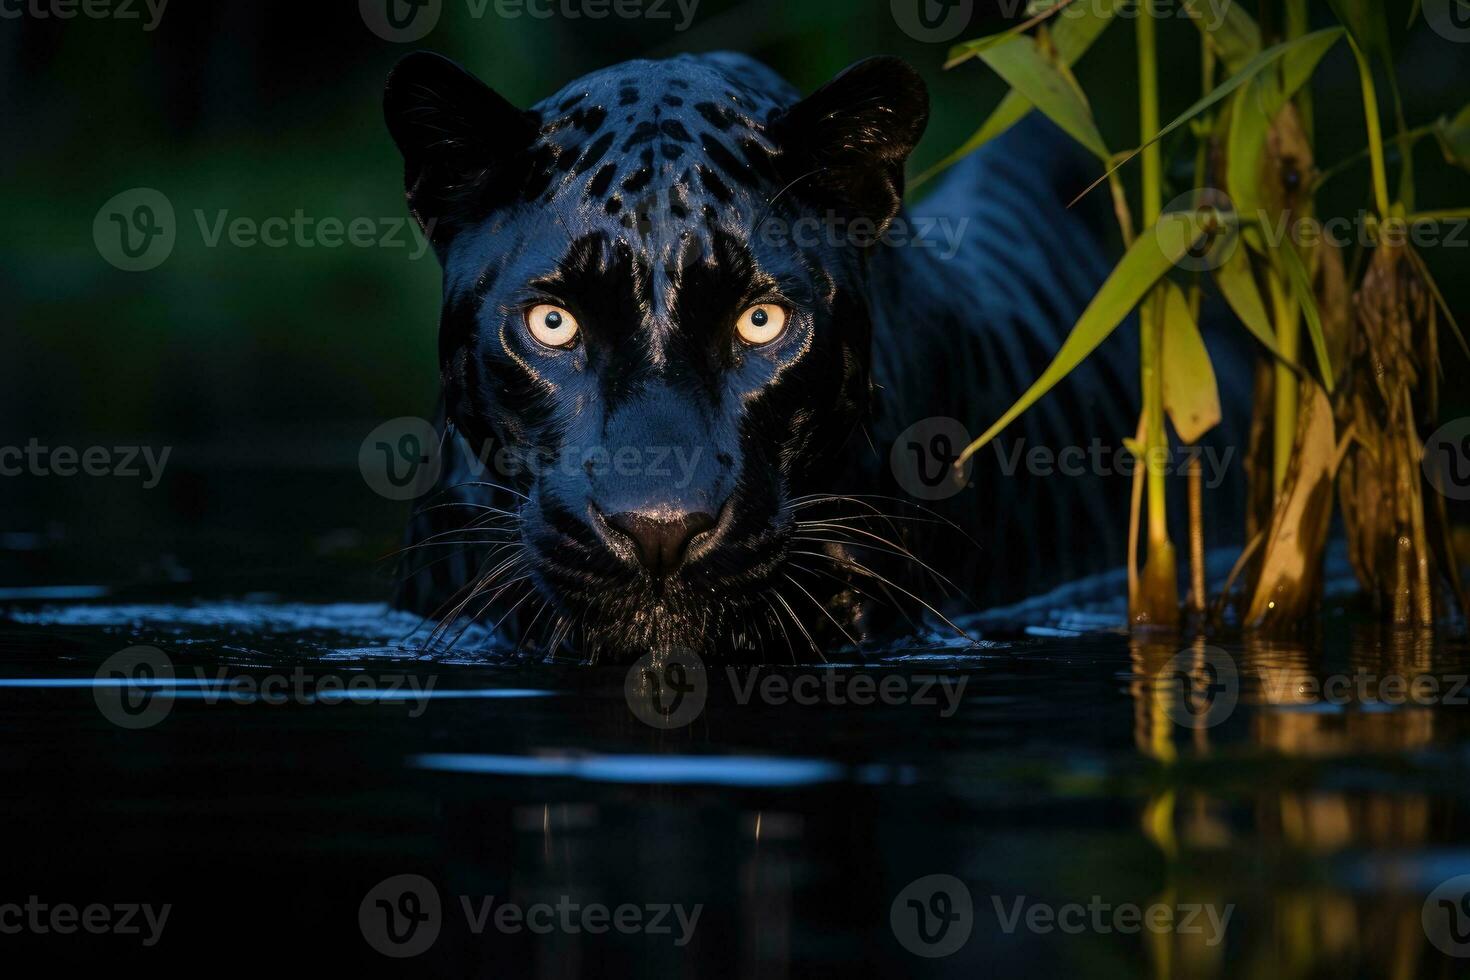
1069 771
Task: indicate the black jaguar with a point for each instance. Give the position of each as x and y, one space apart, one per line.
680 335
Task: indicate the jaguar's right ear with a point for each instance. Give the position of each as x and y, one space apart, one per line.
459 138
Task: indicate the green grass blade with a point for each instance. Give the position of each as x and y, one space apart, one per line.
1150 258
1020 62
1239 288
1301 288
1071 36
964 51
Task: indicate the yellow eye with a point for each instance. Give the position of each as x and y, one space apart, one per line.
761 324
552 325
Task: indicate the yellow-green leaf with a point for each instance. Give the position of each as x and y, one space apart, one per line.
1431 217
964 51
1454 138
1020 62
1312 46
1245 156
1239 288
1151 257
1306 298
1228 29
1191 395
1071 35
1253 110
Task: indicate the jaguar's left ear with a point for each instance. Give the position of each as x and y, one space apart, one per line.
846 143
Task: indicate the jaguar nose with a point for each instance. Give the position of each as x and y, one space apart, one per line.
661 542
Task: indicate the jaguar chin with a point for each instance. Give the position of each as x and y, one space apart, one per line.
678 340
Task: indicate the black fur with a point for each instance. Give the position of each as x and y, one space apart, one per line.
655 201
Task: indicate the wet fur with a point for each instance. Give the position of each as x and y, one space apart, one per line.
637 197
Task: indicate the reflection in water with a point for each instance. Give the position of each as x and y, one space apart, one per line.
1307 770
653 769
1073 770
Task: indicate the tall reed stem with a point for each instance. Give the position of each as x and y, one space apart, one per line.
1161 598
1375 129
1285 314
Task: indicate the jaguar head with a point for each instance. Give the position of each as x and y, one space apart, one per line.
654 326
